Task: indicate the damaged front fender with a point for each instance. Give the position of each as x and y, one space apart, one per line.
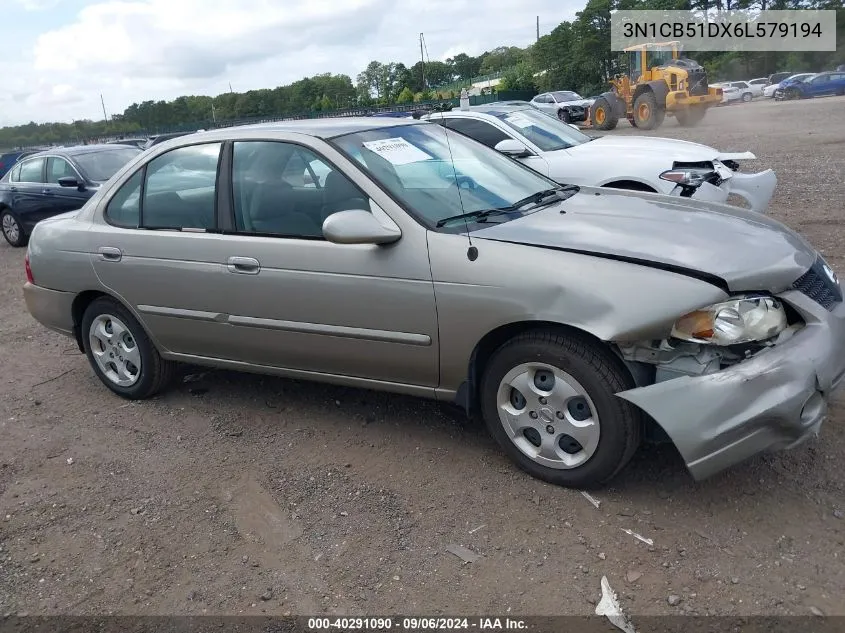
756 189
772 400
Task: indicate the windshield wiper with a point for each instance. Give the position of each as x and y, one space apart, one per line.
547 196
540 198
478 216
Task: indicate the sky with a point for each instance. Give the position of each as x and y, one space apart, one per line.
59 56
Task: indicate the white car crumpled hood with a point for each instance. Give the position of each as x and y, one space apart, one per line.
669 149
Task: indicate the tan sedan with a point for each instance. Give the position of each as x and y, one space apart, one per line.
399 255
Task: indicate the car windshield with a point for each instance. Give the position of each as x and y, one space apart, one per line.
547 133
438 174
567 96
101 165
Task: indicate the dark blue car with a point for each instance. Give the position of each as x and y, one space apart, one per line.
820 85
55 181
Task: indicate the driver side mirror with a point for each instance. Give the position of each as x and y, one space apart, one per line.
358 227
70 181
512 147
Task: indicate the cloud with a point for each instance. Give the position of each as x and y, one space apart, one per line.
136 50
37 5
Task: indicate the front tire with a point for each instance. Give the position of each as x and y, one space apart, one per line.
647 114
747 96
563 115
604 118
12 230
549 399
121 353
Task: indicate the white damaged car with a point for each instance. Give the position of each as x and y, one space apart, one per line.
639 163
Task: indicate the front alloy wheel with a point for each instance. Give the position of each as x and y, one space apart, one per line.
548 415
549 399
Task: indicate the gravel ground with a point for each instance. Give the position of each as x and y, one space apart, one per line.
237 494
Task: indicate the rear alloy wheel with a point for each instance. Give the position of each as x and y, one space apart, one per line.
604 118
647 113
563 115
549 400
121 353
12 230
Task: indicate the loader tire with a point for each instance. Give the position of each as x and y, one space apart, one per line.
647 113
603 115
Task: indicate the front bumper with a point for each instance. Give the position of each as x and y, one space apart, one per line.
577 113
774 400
756 189
51 308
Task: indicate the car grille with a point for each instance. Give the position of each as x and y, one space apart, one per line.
697 82
818 286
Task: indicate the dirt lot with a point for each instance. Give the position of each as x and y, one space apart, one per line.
235 494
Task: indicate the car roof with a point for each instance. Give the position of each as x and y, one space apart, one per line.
79 150
494 108
321 128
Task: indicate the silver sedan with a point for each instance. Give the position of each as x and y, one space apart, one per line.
398 255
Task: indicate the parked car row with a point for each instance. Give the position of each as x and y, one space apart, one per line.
815 85
43 184
567 155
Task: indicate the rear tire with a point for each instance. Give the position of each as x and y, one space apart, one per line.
121 353
690 117
603 116
570 385
12 230
647 113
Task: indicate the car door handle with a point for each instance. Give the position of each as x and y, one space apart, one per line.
243 265
110 253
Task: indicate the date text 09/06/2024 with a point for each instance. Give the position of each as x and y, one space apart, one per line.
416 624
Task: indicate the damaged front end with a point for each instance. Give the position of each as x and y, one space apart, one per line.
717 180
730 383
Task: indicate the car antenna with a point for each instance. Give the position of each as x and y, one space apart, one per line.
472 251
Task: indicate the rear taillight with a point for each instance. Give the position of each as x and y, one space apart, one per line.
28 269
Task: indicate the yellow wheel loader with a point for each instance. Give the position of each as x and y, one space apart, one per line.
659 82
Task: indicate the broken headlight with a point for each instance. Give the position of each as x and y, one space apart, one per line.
689 177
740 320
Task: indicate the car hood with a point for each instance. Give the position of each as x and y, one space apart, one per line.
736 248
580 102
668 148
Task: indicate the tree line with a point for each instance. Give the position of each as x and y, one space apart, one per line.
576 55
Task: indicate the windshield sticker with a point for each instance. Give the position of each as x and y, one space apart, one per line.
518 121
397 151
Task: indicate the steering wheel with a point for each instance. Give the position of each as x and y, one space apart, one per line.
465 182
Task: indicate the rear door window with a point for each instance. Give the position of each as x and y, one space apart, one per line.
31 170
179 188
